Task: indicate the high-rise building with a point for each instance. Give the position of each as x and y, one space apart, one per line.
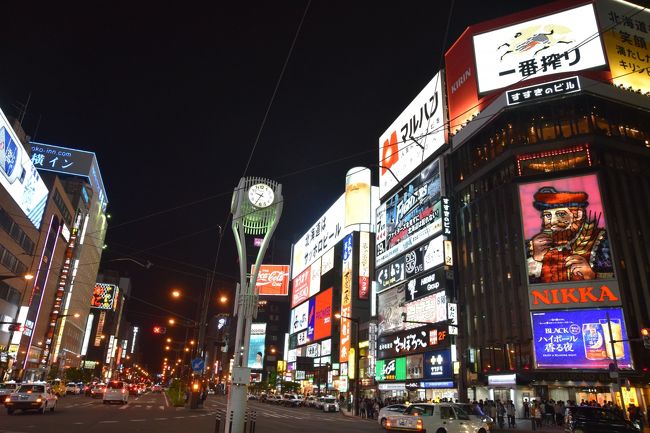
549 167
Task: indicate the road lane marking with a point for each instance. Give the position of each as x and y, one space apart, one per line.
108 422
137 420
78 423
161 407
160 419
166 402
179 417
148 406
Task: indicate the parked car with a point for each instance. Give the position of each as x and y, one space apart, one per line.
274 399
7 388
393 409
116 391
330 404
431 417
587 419
292 400
309 401
31 396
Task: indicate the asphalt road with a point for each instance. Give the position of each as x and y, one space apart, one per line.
151 413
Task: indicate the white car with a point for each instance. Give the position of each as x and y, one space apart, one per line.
116 391
393 409
31 396
330 404
72 388
445 417
7 388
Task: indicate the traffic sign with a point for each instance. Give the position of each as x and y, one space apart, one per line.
198 365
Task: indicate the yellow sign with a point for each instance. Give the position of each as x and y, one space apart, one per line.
626 36
351 363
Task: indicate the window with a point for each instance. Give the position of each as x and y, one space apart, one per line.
447 412
115 385
31 388
419 410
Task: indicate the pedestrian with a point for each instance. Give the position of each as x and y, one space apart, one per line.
526 408
362 409
510 412
532 413
539 414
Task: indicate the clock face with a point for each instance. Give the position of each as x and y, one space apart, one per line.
261 195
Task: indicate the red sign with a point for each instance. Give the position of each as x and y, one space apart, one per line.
300 287
323 313
273 280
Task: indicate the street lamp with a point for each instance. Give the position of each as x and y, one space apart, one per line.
356 368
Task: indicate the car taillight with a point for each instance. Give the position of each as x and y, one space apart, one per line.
7 400
387 424
39 399
124 391
418 425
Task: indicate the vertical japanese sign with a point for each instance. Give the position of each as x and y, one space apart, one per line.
346 300
556 43
300 287
364 265
626 35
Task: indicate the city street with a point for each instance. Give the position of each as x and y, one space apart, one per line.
151 413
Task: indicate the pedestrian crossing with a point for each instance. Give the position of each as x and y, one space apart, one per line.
286 413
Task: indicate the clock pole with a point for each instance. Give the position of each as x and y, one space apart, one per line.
256 208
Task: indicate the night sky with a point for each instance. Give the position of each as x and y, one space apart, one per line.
172 100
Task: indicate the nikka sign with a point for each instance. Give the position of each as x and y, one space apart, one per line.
570 295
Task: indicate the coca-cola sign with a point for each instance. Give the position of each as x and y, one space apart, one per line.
273 280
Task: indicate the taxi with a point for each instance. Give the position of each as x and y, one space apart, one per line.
7 388
36 396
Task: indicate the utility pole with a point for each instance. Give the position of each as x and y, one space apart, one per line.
256 207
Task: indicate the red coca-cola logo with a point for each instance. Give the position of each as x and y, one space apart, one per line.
275 278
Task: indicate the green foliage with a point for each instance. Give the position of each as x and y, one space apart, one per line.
74 374
176 393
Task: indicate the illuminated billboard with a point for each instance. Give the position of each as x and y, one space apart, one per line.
568 254
72 162
256 347
421 259
625 29
438 365
390 369
556 43
324 234
410 216
300 287
410 342
272 280
580 339
104 296
390 308
322 322
299 318
417 133
19 176
345 335
364 265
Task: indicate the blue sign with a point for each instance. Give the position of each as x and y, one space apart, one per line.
437 365
198 365
443 384
580 339
347 247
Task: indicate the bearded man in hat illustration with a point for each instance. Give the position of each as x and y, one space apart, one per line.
571 246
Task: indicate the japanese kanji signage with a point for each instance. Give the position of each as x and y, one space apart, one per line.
416 134
543 90
323 235
411 216
70 161
364 265
346 300
560 42
421 259
580 339
430 282
104 296
409 342
431 309
626 35
300 287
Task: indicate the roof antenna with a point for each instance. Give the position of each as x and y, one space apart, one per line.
24 109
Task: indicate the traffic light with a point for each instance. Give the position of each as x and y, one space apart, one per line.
645 334
159 330
16 327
